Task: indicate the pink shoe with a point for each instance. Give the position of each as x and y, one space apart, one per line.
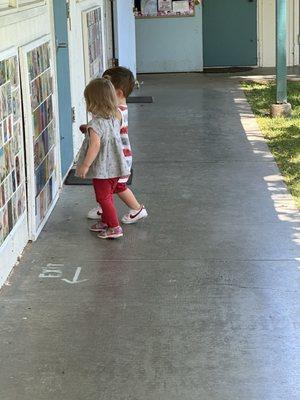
111 233
99 227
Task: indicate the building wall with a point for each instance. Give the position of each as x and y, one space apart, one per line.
267 32
19 26
175 45
169 44
16 30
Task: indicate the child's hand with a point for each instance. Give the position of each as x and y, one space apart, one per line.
83 128
82 170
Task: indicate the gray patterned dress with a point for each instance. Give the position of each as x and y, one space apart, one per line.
110 161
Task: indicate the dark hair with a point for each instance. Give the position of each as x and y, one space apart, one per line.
122 78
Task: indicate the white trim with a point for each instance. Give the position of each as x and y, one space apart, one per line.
259 33
47 215
296 26
66 174
55 89
24 50
12 51
17 239
108 32
290 33
13 247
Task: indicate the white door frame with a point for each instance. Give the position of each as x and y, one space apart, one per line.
265 59
77 63
295 24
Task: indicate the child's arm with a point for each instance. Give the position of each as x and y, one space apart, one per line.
93 150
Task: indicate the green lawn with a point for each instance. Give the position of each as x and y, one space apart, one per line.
283 134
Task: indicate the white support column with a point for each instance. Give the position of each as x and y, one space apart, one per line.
125 34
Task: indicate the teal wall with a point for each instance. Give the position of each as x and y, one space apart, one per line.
230 33
169 44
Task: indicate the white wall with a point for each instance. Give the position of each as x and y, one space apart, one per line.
17 29
170 44
267 32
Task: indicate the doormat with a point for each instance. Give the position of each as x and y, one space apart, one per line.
140 99
224 70
72 179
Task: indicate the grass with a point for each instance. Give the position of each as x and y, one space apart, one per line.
283 134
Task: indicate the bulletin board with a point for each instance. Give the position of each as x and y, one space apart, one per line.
12 166
164 8
41 136
92 23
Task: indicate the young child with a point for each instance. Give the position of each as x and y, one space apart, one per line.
101 156
123 81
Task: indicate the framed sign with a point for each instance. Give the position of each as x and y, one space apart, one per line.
149 7
94 53
181 6
12 165
164 8
41 136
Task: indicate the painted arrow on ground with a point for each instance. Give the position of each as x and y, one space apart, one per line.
75 278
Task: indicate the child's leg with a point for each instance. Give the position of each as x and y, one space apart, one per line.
129 199
96 212
104 189
137 211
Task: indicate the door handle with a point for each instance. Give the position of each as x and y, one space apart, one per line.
61 45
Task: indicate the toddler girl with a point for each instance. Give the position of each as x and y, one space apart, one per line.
101 156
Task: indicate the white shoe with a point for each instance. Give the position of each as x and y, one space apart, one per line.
134 216
95 213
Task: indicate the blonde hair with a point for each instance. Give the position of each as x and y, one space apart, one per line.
101 99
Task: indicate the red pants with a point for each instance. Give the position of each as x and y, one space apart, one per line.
121 187
104 190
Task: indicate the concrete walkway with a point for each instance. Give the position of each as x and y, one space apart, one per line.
199 302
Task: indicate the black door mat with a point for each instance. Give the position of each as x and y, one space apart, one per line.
72 179
224 70
140 99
